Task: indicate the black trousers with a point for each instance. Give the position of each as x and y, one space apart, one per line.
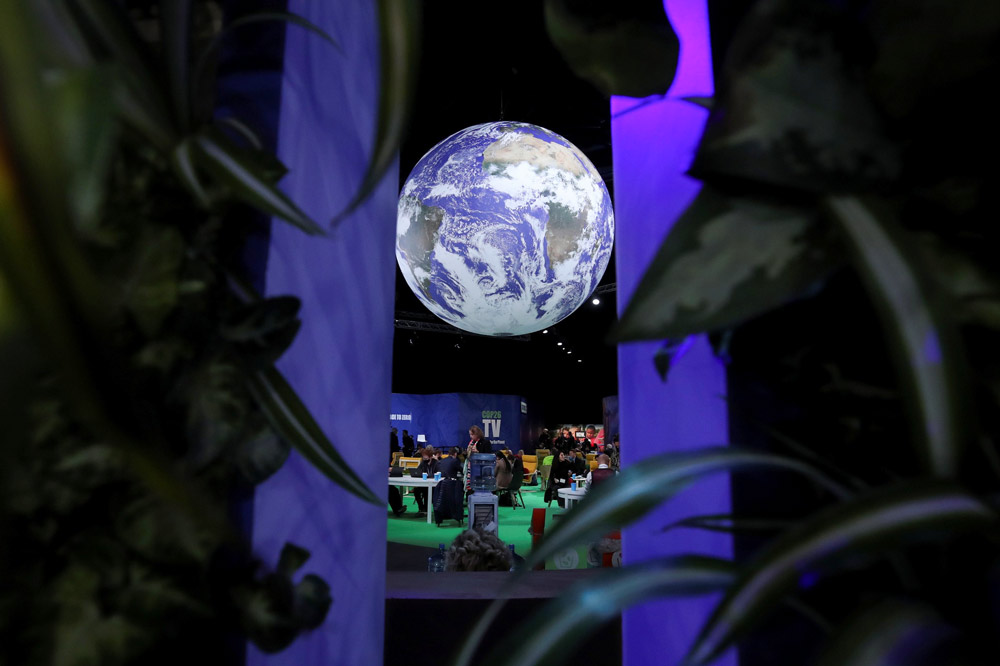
395 499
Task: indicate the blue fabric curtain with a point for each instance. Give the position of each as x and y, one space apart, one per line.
653 146
341 362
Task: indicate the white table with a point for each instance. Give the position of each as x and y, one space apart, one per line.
571 497
416 482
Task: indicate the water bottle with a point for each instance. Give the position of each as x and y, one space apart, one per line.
435 562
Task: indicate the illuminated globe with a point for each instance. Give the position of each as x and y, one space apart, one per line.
504 229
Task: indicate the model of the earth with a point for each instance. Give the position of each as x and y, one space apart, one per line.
504 229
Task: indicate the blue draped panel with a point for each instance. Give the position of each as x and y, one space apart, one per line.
653 146
341 362
444 418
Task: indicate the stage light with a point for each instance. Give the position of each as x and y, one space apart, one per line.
545 331
579 360
559 344
568 351
596 301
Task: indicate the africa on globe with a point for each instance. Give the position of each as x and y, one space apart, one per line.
504 229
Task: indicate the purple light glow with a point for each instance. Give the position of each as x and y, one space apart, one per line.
654 144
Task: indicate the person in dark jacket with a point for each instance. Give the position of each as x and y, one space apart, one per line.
450 467
578 462
564 442
428 465
559 477
393 443
407 444
479 441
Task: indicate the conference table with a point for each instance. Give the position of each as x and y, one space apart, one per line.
571 497
416 482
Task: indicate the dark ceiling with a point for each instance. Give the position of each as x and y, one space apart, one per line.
482 64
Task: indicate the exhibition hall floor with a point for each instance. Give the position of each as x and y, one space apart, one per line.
411 539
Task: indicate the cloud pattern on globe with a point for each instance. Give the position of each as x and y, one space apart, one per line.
504 229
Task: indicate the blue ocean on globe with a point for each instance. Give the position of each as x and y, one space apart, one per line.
504 229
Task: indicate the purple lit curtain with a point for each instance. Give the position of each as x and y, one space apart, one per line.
341 362
653 146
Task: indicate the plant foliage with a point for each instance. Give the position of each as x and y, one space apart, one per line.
849 169
140 394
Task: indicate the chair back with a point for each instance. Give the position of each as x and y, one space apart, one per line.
544 471
409 462
529 459
594 464
395 458
541 453
591 456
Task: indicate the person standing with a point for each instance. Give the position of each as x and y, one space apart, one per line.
545 439
407 444
478 440
393 443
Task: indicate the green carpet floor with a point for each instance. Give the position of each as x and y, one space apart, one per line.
514 523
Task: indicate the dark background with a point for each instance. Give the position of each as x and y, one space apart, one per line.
483 65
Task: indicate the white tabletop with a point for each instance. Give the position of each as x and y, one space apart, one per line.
415 481
572 496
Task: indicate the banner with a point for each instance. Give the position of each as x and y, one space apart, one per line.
444 419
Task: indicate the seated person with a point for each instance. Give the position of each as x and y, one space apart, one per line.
603 471
428 465
477 550
503 471
559 477
578 462
395 499
451 467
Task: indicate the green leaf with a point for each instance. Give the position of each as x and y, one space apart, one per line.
312 601
292 558
201 62
141 98
151 292
703 102
247 179
925 342
258 319
182 160
620 48
727 259
292 421
889 633
399 23
175 26
872 524
551 634
640 488
261 454
86 124
792 109
909 76
726 522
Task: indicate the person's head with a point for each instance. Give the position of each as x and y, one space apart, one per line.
392 430
436 453
427 452
603 459
500 455
476 550
405 431
476 433
454 451
571 454
566 433
562 456
591 432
